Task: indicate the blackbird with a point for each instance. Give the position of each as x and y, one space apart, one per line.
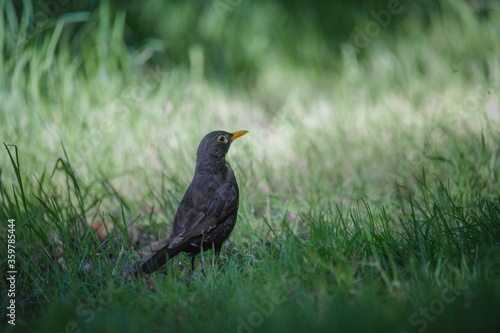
207 213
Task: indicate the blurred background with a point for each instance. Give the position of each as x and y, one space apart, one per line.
339 96
235 39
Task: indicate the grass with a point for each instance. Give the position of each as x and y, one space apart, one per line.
369 195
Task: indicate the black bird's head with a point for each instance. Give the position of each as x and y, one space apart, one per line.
215 145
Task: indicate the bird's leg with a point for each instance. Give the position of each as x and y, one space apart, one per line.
217 253
202 259
192 256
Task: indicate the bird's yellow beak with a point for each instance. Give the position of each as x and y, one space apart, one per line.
237 134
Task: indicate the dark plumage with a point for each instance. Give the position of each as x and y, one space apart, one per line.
207 213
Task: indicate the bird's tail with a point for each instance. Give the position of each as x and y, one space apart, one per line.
159 259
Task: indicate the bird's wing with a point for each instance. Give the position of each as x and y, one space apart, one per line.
197 221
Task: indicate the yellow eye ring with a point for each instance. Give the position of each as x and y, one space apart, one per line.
221 138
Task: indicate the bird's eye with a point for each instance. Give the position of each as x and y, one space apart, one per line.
221 138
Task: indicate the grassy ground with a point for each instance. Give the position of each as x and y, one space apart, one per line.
369 195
